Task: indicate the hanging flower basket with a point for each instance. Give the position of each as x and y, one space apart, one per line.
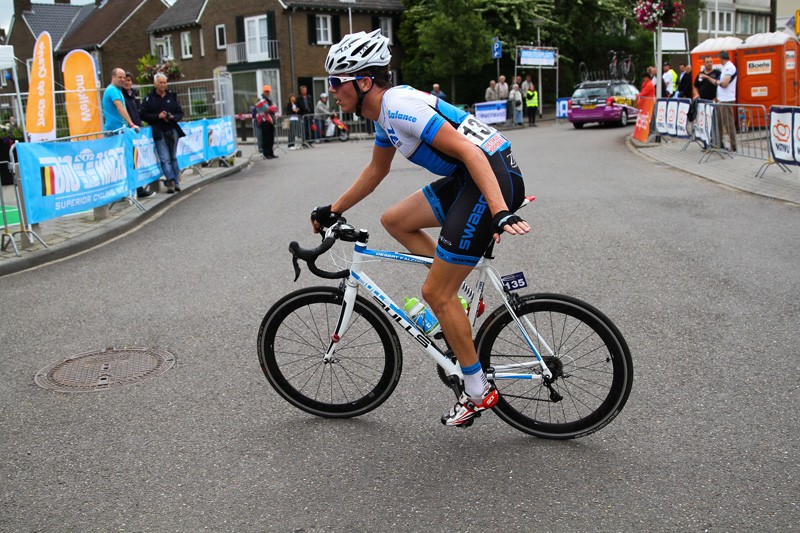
650 12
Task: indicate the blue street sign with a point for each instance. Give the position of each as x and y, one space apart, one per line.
497 49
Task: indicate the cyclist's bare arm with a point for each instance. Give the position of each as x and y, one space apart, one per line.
452 143
367 180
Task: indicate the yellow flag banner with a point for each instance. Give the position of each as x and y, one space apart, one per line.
83 101
40 115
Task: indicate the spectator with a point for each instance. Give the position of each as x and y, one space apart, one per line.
502 88
726 95
321 115
684 82
648 90
115 114
532 103
292 113
705 87
265 118
163 112
131 96
526 84
306 104
438 93
491 92
515 98
670 79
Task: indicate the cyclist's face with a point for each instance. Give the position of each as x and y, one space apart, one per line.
345 95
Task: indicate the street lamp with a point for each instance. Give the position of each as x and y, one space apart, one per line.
349 12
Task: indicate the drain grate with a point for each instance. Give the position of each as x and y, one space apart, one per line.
99 371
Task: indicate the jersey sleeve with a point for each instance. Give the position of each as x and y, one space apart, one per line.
381 137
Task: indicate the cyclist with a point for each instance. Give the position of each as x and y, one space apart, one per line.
473 202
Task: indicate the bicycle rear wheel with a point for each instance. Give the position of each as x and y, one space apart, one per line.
294 337
591 366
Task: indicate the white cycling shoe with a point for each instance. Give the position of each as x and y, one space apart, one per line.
467 409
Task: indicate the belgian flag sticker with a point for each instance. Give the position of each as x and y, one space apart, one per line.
135 157
48 181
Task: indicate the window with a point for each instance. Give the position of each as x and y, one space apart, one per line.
186 44
708 21
256 38
323 27
163 47
386 28
222 41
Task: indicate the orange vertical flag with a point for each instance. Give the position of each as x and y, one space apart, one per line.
83 101
641 131
40 115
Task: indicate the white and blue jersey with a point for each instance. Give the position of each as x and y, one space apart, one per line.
410 119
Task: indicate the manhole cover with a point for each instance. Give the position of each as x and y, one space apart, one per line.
98 371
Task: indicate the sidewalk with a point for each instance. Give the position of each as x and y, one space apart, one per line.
69 235
734 170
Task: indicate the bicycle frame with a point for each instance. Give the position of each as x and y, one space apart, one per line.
362 255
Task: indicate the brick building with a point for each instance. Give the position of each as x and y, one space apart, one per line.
282 43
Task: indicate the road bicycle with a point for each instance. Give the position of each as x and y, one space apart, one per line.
562 368
620 69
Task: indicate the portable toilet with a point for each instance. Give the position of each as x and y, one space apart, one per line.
767 70
712 47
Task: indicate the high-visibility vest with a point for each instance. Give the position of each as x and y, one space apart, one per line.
532 99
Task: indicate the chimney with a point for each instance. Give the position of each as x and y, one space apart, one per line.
21 6
61 2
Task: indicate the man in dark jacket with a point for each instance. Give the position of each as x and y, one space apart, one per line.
685 81
162 111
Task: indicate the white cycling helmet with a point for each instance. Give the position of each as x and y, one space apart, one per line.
357 51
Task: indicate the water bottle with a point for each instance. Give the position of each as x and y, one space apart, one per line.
421 316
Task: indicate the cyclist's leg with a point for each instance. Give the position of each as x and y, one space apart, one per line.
440 291
405 222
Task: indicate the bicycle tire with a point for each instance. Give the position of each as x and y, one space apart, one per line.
592 366
583 71
294 336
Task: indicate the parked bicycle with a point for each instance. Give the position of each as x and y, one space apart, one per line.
561 366
621 66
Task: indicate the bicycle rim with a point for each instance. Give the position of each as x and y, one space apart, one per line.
294 337
592 367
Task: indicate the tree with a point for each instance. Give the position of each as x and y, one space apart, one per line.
442 39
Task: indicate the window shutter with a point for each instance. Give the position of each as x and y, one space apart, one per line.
312 29
271 33
376 23
240 38
336 31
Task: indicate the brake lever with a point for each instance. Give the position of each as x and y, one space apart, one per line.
296 268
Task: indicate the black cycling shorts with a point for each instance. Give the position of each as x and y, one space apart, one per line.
462 211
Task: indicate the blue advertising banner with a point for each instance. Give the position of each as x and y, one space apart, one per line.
61 178
784 134
143 164
192 147
491 112
221 138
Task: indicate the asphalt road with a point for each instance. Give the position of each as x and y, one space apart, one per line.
703 281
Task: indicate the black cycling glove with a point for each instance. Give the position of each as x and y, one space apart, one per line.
325 216
504 218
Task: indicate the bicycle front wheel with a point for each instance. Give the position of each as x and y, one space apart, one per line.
294 337
590 361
